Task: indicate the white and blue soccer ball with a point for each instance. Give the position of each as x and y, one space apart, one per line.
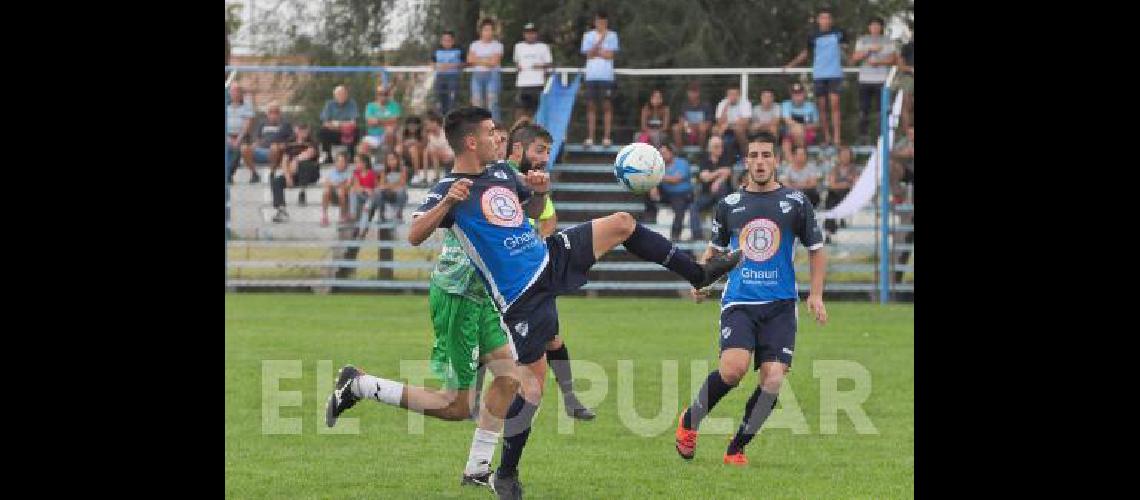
639 167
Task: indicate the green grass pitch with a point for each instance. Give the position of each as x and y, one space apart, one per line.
277 343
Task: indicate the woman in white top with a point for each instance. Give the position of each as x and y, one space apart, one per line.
485 56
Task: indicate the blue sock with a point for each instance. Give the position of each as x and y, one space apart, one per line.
756 411
711 392
653 247
516 430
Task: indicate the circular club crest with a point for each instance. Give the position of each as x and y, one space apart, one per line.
501 207
760 239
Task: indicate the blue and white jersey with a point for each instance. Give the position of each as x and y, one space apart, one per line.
824 46
764 226
492 227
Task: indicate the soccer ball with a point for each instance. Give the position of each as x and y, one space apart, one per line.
639 167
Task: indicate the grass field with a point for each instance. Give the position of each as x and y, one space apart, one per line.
605 458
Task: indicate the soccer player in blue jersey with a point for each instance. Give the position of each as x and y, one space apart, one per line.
758 307
487 204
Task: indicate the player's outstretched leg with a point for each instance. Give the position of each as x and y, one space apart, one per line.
643 242
733 364
756 411
559 359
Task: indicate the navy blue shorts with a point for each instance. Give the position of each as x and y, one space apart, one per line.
533 318
824 86
600 89
766 330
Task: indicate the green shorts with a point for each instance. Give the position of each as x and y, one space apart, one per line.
464 331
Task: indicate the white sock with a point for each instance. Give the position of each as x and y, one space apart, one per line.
483 445
380 389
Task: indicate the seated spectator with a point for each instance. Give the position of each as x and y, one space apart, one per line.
297 167
839 182
803 176
381 117
437 152
716 169
695 120
675 189
338 123
411 148
800 120
902 164
239 121
269 139
732 115
364 193
393 186
335 188
766 115
654 116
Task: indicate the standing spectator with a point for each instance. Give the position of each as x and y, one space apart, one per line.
839 182
270 137
239 121
902 164
878 54
381 117
447 61
336 186
412 147
485 56
654 117
296 166
904 81
766 115
827 71
800 120
675 189
533 59
437 152
803 176
732 114
338 123
393 186
695 120
599 46
716 169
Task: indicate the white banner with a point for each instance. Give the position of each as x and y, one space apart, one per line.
867 184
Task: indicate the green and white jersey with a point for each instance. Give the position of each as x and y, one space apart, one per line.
454 273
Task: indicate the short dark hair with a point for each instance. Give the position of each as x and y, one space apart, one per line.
448 32
366 159
877 19
432 116
763 137
461 123
601 14
342 153
485 22
669 145
824 10
527 132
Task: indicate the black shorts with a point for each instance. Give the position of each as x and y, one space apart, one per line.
767 330
532 319
528 97
824 86
600 89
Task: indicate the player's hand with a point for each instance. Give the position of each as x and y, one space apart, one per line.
815 303
459 191
538 181
698 295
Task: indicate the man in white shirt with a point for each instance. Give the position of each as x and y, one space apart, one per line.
732 116
533 59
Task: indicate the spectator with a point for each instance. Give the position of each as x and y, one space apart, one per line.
365 195
803 176
675 189
297 167
437 152
336 186
716 169
695 120
393 186
878 54
902 164
485 55
239 121
654 117
732 114
766 115
800 120
412 147
839 182
381 117
533 59
827 71
599 46
338 123
271 135
904 81
447 61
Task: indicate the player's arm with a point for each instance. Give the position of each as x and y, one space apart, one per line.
799 59
539 184
812 238
425 222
